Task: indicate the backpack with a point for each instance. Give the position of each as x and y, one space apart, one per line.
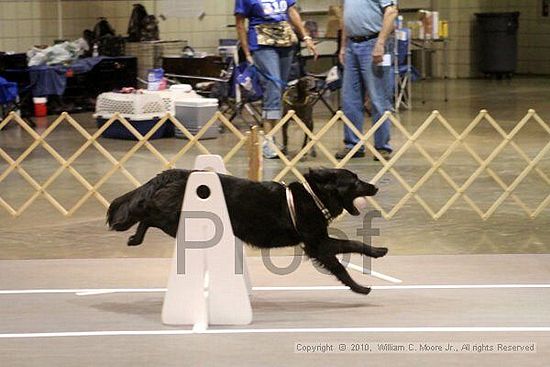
103 35
103 28
150 29
136 19
142 26
112 46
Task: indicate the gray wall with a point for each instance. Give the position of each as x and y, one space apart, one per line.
24 23
533 34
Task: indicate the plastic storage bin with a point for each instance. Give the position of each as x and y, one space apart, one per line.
194 114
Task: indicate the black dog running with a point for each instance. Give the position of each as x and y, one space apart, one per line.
259 213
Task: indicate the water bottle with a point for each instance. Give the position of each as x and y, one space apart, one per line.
95 52
399 22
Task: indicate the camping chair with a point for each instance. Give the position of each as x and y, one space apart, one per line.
9 99
233 100
404 72
325 83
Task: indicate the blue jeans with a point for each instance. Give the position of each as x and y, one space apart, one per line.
360 76
275 62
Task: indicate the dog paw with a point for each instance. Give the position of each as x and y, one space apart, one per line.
134 241
379 252
361 290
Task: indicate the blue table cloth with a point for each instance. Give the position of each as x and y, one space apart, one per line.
49 80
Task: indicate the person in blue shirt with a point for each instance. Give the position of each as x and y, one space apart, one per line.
367 69
268 42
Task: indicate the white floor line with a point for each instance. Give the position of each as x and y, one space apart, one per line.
406 287
385 277
364 330
93 292
98 291
82 292
372 273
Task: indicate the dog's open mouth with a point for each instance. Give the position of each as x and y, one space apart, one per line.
360 203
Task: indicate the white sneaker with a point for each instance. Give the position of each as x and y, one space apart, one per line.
267 149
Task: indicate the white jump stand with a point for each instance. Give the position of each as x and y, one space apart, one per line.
211 286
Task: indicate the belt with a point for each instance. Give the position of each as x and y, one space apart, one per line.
358 39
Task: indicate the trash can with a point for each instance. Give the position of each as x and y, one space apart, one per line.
497 44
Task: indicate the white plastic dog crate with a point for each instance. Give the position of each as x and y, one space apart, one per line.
176 92
143 111
195 113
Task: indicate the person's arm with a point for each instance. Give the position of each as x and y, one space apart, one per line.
343 42
296 21
390 13
243 37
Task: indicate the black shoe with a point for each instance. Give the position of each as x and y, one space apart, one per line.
384 153
344 152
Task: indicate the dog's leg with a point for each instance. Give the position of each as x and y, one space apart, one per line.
285 138
332 264
137 238
336 246
312 152
306 139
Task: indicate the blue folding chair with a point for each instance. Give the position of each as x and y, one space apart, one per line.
8 92
9 99
404 72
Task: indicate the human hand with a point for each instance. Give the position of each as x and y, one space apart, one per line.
342 56
250 59
378 53
311 47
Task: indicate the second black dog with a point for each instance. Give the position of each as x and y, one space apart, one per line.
300 99
259 213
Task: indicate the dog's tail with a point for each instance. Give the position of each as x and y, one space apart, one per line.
123 212
133 207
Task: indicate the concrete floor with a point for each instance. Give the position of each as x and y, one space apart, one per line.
411 312
44 250
42 233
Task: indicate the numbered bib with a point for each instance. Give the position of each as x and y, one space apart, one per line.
273 7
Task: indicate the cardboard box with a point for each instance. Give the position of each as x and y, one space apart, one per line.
334 21
430 22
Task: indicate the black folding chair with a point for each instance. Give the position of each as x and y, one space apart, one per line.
325 83
233 99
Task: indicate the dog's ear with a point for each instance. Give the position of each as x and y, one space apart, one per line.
321 175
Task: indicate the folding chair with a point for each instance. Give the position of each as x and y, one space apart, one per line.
325 83
232 98
9 99
404 72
